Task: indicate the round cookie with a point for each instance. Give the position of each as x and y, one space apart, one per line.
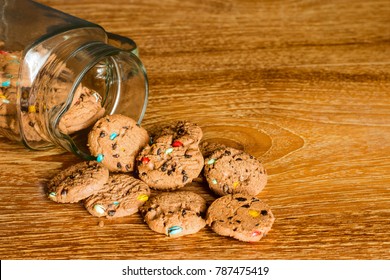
175 213
77 182
167 166
83 112
121 196
230 171
240 216
115 141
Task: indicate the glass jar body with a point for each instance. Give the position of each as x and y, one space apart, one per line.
61 75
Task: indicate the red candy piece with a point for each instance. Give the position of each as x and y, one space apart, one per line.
3 52
145 160
177 143
256 233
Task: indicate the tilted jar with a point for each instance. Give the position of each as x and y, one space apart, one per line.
51 61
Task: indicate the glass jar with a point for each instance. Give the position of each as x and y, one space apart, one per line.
59 74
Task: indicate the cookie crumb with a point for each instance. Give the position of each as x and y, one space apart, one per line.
101 223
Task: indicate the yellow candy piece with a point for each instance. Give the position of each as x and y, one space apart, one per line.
143 197
32 109
235 184
253 213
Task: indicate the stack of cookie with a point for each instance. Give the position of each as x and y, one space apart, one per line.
84 110
129 163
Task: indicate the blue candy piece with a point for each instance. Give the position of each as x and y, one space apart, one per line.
174 230
99 158
6 83
113 135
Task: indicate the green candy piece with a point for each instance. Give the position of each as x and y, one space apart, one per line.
211 161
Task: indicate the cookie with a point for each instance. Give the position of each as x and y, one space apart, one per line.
175 213
174 158
83 112
230 171
240 216
115 141
77 182
121 196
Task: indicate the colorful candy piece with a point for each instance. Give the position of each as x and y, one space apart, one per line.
177 143
113 135
32 109
6 83
143 197
100 158
256 233
145 160
253 213
52 194
99 209
235 184
211 161
214 181
116 203
168 151
174 230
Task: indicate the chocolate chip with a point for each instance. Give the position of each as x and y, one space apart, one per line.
158 151
183 172
64 192
143 174
111 213
185 178
227 153
128 169
183 212
245 206
238 221
181 131
238 159
102 134
169 172
119 165
114 146
229 218
115 156
240 198
254 199
125 127
188 156
30 123
264 212
164 167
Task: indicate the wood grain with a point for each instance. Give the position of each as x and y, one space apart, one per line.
303 85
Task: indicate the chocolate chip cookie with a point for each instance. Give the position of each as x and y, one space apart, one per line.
240 216
77 182
121 196
175 213
84 111
230 171
115 141
174 158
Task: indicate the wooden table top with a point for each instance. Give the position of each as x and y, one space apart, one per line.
302 85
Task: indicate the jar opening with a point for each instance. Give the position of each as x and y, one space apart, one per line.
115 84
